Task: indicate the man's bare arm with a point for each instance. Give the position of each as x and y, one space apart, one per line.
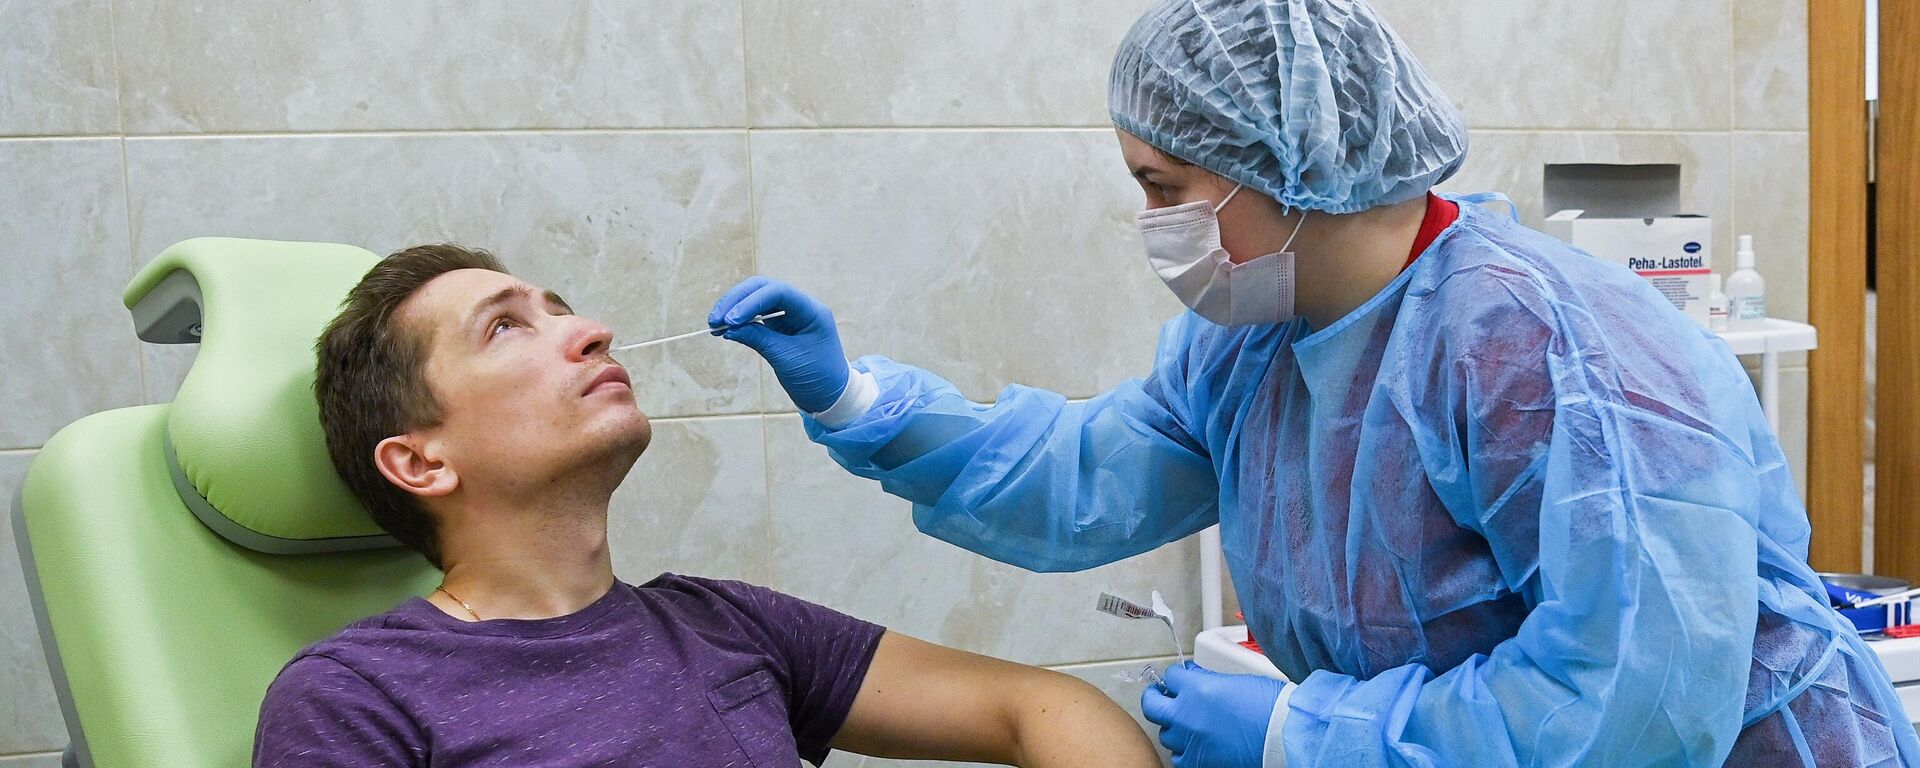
924 701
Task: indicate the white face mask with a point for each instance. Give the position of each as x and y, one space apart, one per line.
1183 245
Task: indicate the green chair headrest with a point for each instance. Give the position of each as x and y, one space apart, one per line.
243 434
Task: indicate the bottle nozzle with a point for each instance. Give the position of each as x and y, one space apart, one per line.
1744 258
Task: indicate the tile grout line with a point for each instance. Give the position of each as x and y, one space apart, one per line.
133 265
1733 120
126 177
119 83
404 133
753 268
747 115
753 243
766 470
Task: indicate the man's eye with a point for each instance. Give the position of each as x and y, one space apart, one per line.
501 325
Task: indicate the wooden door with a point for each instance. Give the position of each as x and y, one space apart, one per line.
1897 255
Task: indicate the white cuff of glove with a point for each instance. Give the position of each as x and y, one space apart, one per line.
854 401
1275 755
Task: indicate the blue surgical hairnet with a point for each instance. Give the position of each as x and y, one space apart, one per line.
1316 103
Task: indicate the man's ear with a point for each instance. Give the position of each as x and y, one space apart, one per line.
409 462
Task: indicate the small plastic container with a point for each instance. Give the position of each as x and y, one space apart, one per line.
1746 292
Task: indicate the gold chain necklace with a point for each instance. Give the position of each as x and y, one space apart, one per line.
443 590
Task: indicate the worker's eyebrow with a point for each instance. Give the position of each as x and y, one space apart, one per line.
555 300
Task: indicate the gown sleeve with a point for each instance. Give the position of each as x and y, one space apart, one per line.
1032 479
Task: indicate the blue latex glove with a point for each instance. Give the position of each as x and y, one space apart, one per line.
803 346
1211 720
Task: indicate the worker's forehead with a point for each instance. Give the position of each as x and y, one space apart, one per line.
1138 153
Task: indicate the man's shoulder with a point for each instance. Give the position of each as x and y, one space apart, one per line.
741 603
711 593
343 649
318 684
315 671
697 586
700 598
321 709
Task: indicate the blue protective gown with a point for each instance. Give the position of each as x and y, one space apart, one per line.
1515 510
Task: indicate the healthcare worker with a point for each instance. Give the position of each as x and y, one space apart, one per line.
1489 501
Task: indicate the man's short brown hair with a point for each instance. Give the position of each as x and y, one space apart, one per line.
371 383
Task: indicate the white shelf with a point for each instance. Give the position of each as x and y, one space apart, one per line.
1219 649
1779 336
1901 657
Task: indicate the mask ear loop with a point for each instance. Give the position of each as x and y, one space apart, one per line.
1296 231
1296 225
1229 199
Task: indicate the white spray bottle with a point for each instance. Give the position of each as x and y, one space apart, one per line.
1746 292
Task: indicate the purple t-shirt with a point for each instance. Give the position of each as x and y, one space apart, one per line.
679 672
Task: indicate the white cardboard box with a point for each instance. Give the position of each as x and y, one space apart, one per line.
1674 253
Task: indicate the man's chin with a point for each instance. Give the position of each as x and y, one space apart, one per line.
611 453
638 439
612 432
620 413
629 435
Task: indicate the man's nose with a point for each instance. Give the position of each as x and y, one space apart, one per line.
590 340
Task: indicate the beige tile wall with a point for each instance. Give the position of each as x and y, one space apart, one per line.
940 172
56 68
366 65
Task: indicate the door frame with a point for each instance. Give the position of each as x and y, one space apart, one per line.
1836 288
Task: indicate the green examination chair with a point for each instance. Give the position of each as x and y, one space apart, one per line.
179 554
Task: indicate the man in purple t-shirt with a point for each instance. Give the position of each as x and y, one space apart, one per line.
483 424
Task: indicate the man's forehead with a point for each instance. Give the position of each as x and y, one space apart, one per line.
448 297
439 306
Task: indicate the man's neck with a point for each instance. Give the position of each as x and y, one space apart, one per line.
521 563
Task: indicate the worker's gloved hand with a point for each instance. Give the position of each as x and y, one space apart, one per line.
1211 720
803 346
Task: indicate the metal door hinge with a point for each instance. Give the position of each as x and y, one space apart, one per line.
1873 136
